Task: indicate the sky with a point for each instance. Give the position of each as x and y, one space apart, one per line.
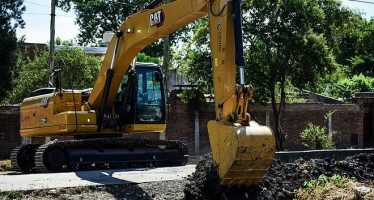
37 20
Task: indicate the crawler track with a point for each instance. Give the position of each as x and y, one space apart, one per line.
71 155
22 158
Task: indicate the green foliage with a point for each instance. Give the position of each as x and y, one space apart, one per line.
291 43
78 71
11 18
62 42
363 60
96 16
323 181
194 96
194 60
314 188
362 65
345 88
297 51
316 137
142 57
356 59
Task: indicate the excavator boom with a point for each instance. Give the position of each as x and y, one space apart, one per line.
243 150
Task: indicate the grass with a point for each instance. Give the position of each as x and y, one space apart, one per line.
335 187
5 165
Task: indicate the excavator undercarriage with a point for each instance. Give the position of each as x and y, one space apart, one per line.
98 153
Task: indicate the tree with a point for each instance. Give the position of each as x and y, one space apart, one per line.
291 42
194 60
363 61
78 71
356 62
10 19
287 42
345 88
97 16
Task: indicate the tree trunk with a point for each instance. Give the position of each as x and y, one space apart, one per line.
166 57
165 61
277 111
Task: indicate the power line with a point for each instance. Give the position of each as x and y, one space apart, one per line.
48 14
42 5
360 1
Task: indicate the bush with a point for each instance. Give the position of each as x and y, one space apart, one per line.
316 137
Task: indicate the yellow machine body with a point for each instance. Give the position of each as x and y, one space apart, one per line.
54 115
57 114
242 149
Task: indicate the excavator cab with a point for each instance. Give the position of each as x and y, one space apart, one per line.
140 101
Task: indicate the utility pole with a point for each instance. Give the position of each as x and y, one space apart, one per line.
52 42
166 57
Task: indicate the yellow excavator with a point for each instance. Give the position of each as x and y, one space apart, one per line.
90 127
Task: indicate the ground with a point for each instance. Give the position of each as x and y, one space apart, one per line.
143 191
283 181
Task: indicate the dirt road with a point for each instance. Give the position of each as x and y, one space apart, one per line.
91 178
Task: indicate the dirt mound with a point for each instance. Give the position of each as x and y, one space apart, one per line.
281 180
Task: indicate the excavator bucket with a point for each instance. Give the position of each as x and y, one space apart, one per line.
242 153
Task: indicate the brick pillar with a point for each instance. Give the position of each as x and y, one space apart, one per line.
366 102
9 130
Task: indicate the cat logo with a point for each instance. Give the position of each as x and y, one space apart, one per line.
43 120
156 18
44 102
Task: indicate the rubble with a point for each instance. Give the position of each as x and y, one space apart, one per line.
281 180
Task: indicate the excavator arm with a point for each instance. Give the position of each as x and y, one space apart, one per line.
242 149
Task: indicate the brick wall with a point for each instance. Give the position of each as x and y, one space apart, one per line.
9 130
181 123
347 121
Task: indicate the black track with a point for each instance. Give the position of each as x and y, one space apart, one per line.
87 154
22 158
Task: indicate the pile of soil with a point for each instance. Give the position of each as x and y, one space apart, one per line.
281 180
